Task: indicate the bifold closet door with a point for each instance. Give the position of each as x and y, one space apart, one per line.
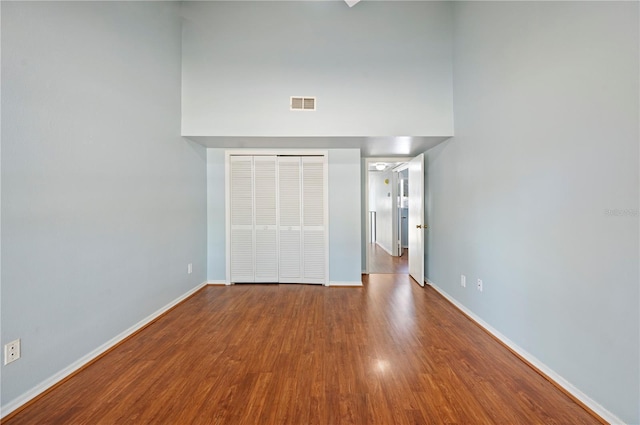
313 220
265 216
254 237
278 210
242 233
290 208
301 200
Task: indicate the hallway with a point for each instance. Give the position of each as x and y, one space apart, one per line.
381 262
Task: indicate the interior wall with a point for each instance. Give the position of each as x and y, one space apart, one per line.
538 192
379 69
404 211
345 237
103 203
373 188
384 205
344 215
216 217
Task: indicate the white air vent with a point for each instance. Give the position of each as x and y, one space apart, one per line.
303 103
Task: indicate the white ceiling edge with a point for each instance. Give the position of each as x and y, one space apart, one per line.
386 146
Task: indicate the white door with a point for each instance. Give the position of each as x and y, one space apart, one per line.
313 220
416 218
278 219
265 216
290 221
242 236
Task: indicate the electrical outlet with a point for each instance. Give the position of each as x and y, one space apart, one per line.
189 268
463 281
11 351
480 285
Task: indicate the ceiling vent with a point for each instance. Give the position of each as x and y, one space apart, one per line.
303 103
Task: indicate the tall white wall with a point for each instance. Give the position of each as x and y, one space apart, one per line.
379 69
538 192
103 203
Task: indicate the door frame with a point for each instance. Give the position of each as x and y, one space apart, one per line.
367 161
227 197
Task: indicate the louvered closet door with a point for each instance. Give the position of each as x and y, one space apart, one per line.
290 211
242 234
266 234
313 222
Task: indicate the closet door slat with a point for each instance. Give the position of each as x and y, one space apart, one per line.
266 236
289 203
242 227
313 222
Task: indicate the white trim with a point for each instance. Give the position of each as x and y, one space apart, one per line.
217 282
227 216
550 373
293 152
325 164
354 283
78 364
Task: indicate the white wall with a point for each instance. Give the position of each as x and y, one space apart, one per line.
379 69
216 216
546 111
103 203
384 205
344 215
373 187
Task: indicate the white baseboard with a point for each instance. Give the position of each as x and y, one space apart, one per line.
354 283
384 248
550 373
217 282
48 383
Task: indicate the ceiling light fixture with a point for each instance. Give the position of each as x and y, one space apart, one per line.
351 3
380 166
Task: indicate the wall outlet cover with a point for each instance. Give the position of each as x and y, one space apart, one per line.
11 351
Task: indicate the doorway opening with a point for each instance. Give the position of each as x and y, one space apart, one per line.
387 220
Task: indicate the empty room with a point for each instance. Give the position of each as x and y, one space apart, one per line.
327 212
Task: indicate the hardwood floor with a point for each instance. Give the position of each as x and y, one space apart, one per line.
390 352
381 262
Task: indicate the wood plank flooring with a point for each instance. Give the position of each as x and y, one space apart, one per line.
390 352
381 262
